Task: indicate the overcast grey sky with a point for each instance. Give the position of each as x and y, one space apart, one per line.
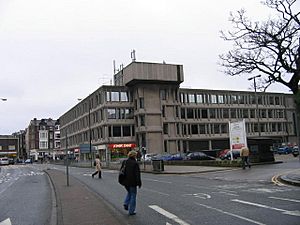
53 52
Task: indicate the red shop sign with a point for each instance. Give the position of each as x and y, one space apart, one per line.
122 145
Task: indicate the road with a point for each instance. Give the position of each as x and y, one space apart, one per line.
229 197
25 195
232 197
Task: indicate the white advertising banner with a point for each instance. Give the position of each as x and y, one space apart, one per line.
237 135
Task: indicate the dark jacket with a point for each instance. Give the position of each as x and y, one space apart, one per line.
132 173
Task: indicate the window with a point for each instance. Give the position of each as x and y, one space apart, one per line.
163 94
166 128
43 144
129 113
214 99
234 99
111 113
115 96
142 120
163 111
116 131
126 131
194 128
108 96
142 103
192 98
183 116
202 129
199 98
277 101
124 96
221 99
226 113
204 113
212 113
190 113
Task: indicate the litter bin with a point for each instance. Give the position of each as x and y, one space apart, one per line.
158 165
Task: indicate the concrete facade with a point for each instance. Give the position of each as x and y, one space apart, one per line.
146 107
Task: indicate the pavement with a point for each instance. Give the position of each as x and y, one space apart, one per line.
77 204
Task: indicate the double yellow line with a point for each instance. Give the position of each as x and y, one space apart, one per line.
276 179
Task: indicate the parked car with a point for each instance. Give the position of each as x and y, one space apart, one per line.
235 155
28 161
20 161
177 156
199 156
295 151
223 153
148 157
284 150
164 157
11 161
4 161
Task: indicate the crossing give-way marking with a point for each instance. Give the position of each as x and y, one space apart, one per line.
6 222
168 215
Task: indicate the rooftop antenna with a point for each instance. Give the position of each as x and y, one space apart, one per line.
132 54
114 64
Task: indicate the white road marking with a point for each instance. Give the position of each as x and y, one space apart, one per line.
231 214
168 223
292 213
157 192
6 222
168 215
160 181
226 193
286 199
199 195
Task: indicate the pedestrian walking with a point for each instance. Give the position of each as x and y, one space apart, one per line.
97 165
245 157
132 180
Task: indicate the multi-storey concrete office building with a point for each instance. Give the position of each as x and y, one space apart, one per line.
147 108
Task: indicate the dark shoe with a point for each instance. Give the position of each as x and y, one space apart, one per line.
125 207
249 166
132 214
244 168
92 175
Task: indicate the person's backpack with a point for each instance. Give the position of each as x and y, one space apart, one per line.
122 173
94 162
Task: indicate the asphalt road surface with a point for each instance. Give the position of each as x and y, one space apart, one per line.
233 197
25 195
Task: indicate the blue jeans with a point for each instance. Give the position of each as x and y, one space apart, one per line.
130 199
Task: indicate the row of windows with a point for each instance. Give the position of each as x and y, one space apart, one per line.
206 98
96 117
223 128
99 133
225 113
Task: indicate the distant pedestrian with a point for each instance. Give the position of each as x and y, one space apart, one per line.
245 157
132 180
97 164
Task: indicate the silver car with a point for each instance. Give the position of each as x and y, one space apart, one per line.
4 161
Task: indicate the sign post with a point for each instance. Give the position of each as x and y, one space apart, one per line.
237 135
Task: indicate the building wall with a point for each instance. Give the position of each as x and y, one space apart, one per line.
165 118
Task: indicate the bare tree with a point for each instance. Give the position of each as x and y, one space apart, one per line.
270 47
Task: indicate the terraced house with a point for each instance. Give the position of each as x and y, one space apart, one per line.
147 108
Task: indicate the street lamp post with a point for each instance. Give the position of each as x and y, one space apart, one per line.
256 101
90 133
